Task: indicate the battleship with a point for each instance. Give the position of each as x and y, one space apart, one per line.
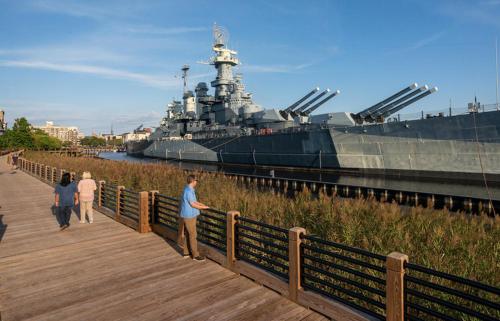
229 128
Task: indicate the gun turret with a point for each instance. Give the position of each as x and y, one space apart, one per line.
310 102
301 100
364 114
383 111
313 108
409 102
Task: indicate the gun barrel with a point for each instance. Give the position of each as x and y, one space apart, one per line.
366 112
386 108
409 102
301 100
312 101
313 108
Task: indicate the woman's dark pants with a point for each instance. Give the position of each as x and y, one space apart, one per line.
63 215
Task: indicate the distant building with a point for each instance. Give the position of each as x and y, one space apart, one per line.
137 135
3 124
110 137
63 133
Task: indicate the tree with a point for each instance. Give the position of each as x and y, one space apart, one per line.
93 141
22 135
43 141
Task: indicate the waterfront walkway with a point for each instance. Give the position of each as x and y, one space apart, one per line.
107 271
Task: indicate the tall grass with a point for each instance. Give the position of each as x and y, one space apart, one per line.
455 243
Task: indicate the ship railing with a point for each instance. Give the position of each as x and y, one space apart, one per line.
444 112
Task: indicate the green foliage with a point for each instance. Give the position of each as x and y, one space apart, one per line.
45 142
22 135
115 142
19 136
93 141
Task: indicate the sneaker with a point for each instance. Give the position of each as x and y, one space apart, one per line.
64 227
199 258
82 222
185 256
90 222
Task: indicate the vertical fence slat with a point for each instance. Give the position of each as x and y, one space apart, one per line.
100 193
119 194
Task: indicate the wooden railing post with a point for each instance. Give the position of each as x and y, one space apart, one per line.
54 175
73 176
119 190
47 169
231 238
294 261
143 226
395 304
61 172
100 193
152 209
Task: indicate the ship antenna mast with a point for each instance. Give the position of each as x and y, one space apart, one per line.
185 69
496 62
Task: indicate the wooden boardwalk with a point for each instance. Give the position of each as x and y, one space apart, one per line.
107 271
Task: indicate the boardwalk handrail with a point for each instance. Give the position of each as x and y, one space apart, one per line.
329 277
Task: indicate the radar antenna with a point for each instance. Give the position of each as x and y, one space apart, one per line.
221 35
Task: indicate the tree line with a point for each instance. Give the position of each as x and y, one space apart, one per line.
23 135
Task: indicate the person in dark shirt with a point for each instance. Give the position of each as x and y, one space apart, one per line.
66 197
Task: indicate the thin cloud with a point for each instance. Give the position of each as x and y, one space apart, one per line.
276 68
96 11
428 40
164 31
148 80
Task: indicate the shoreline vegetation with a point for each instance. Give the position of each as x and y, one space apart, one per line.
456 243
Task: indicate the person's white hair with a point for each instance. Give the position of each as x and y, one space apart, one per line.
86 175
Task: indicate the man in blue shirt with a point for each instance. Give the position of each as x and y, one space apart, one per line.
189 211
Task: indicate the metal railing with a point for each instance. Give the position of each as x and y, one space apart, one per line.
129 204
109 196
433 295
350 275
262 245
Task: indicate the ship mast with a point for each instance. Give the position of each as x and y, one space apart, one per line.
496 62
185 70
223 61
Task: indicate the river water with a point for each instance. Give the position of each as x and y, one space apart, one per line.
456 189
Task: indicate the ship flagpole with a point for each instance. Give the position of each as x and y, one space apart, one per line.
496 62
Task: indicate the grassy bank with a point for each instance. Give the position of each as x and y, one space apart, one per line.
459 244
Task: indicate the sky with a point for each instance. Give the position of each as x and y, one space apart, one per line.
97 64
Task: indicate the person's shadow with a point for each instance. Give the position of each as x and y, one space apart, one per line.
3 228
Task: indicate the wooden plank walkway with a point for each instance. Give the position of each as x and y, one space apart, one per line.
107 271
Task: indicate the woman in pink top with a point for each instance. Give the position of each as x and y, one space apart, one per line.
86 188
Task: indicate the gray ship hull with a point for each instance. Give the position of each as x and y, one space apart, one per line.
467 144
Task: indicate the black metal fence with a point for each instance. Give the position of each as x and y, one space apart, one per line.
262 245
109 196
211 228
352 276
129 204
433 295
